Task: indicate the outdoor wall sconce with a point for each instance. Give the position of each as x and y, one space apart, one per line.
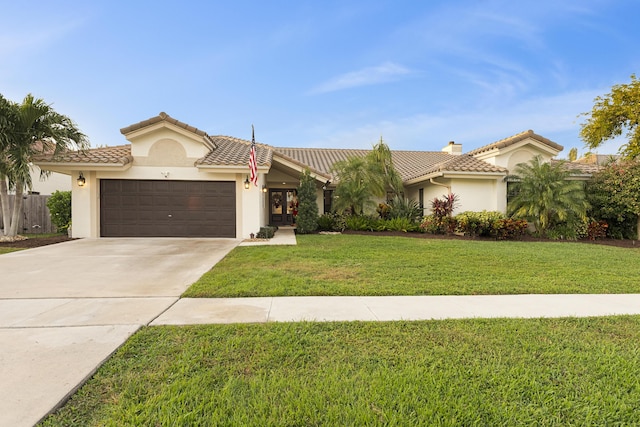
264 188
247 184
81 180
326 184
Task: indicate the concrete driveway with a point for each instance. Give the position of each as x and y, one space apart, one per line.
66 308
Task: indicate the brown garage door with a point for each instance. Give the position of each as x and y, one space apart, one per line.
130 208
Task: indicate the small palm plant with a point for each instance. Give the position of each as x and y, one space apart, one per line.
546 196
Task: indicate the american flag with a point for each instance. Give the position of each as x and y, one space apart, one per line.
253 166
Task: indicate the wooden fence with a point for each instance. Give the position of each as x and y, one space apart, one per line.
35 216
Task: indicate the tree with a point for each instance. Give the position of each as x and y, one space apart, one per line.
573 154
354 190
614 193
361 179
307 219
381 167
59 205
611 115
26 129
545 196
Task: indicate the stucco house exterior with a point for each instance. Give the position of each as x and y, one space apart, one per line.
174 180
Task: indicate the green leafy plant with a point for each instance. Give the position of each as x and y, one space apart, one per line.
441 220
614 195
597 230
331 222
509 228
307 219
59 205
266 232
402 207
477 223
361 223
545 196
400 224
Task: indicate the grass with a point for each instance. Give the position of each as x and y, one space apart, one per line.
456 372
7 250
372 265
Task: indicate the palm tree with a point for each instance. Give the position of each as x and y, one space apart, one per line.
381 165
355 189
361 179
27 129
545 196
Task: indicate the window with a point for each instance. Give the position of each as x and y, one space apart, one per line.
328 201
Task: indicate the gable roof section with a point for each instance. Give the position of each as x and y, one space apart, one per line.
165 118
409 164
506 142
232 151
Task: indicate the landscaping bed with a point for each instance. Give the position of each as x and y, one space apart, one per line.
36 241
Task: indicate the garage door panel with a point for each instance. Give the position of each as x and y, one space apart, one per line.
167 208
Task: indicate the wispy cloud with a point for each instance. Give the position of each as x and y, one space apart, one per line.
383 73
554 117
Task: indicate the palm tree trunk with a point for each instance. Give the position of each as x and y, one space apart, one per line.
17 210
4 201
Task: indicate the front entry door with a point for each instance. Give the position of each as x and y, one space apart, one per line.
283 206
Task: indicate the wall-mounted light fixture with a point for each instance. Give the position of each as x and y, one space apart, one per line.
81 180
247 184
326 184
264 188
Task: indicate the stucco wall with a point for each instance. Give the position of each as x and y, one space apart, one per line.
473 194
50 184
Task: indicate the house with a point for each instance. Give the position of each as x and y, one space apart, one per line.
173 179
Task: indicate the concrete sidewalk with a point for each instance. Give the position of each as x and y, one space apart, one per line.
292 309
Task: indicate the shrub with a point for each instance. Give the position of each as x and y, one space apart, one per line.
383 210
399 224
401 207
564 231
59 205
361 223
509 228
477 223
441 221
434 225
307 219
266 232
597 230
331 222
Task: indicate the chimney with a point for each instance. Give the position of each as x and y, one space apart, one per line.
453 148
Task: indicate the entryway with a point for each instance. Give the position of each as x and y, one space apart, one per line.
283 206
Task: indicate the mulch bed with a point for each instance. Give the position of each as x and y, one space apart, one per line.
35 242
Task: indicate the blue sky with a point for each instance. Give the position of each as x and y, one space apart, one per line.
337 74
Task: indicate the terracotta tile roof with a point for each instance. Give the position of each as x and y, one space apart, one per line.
118 155
234 151
319 159
160 118
465 163
409 164
598 159
580 168
514 139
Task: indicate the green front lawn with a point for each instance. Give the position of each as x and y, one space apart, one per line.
448 373
372 265
7 250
